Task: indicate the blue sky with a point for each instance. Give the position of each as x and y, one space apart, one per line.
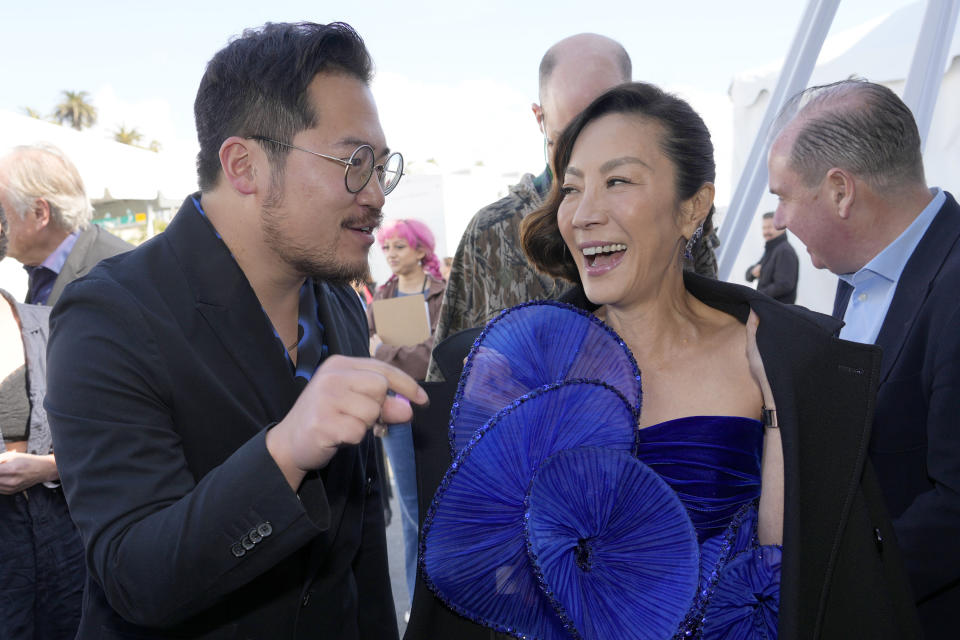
454 83
144 61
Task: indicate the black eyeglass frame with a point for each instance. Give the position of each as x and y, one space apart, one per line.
349 163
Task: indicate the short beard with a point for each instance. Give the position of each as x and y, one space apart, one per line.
311 263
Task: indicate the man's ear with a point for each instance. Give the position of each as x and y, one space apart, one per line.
694 210
238 160
841 189
40 213
538 114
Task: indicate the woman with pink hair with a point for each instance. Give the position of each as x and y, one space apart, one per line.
408 245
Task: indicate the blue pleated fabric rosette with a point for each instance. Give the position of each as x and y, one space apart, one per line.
531 345
546 526
612 545
746 603
740 601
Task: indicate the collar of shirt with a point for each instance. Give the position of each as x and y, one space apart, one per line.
58 258
875 285
43 276
311 343
890 263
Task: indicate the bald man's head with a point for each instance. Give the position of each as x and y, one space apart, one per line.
585 48
573 72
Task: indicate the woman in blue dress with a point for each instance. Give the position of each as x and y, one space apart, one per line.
754 420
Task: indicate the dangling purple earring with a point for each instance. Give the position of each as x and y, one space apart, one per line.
692 242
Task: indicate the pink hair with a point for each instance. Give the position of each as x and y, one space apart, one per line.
418 236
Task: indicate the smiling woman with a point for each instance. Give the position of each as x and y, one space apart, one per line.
634 196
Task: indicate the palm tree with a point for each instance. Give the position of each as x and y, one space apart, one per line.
76 110
154 146
127 136
33 113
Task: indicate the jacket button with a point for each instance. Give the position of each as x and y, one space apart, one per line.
369 486
247 544
878 540
265 529
238 550
255 536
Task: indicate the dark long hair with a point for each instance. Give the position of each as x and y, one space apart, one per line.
685 141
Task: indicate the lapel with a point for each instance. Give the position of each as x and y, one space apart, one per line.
916 281
824 394
338 480
76 263
225 300
333 320
825 413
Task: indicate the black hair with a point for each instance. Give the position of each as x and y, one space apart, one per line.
257 86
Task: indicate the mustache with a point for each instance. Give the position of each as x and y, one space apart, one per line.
373 220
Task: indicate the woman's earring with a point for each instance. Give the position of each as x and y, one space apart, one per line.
692 242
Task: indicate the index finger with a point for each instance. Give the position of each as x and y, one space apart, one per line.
397 381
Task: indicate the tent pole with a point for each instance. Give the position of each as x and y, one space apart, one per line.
797 69
929 58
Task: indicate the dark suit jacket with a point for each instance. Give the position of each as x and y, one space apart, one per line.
842 573
164 377
915 446
779 270
93 245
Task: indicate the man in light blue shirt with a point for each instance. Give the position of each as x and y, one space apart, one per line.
874 284
846 165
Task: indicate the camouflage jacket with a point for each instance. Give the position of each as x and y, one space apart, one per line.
490 271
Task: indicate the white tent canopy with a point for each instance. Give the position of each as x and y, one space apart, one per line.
880 52
110 170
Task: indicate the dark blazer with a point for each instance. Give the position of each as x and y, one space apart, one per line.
842 572
164 377
779 270
92 245
915 446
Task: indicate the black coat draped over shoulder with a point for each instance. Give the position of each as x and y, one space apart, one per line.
842 574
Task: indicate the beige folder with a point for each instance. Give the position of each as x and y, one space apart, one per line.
403 320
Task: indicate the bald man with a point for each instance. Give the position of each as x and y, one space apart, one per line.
489 270
490 273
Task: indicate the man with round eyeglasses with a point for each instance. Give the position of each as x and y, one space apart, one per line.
362 162
213 427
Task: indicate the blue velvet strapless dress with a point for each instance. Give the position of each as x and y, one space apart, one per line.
559 518
713 465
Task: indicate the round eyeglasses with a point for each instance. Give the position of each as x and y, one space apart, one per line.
359 166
